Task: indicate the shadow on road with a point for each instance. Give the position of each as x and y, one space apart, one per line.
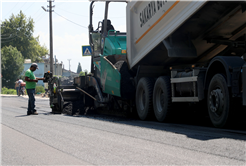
192 129
192 124
21 116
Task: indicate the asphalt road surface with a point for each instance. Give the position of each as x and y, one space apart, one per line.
57 139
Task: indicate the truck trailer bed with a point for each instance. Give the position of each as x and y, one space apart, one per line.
170 33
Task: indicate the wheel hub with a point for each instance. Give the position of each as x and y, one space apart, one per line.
160 100
216 101
142 99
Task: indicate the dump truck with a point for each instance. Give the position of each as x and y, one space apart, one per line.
172 52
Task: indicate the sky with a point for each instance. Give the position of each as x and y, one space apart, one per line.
70 21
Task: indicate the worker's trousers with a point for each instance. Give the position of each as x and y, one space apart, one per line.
31 101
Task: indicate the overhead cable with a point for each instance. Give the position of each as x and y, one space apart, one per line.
8 40
87 16
70 20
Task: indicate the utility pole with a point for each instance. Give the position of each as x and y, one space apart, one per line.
69 64
51 33
55 65
51 49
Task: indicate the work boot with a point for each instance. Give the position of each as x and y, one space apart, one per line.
29 113
35 113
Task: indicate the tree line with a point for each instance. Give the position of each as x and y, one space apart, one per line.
18 43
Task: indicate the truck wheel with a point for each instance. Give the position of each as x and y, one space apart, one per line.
162 98
218 101
144 98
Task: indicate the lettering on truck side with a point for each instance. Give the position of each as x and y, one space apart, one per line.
149 11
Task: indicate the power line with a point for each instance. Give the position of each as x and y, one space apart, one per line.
10 37
39 9
87 16
72 12
22 5
70 20
41 1
39 18
29 6
59 4
13 7
9 40
8 34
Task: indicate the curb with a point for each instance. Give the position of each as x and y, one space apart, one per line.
25 96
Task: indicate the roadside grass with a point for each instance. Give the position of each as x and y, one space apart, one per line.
8 91
39 90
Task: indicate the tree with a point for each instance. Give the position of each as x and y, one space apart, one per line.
79 69
12 65
18 32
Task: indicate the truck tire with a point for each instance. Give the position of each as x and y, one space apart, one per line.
218 101
144 96
162 98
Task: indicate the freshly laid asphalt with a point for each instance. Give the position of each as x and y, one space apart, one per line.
58 139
